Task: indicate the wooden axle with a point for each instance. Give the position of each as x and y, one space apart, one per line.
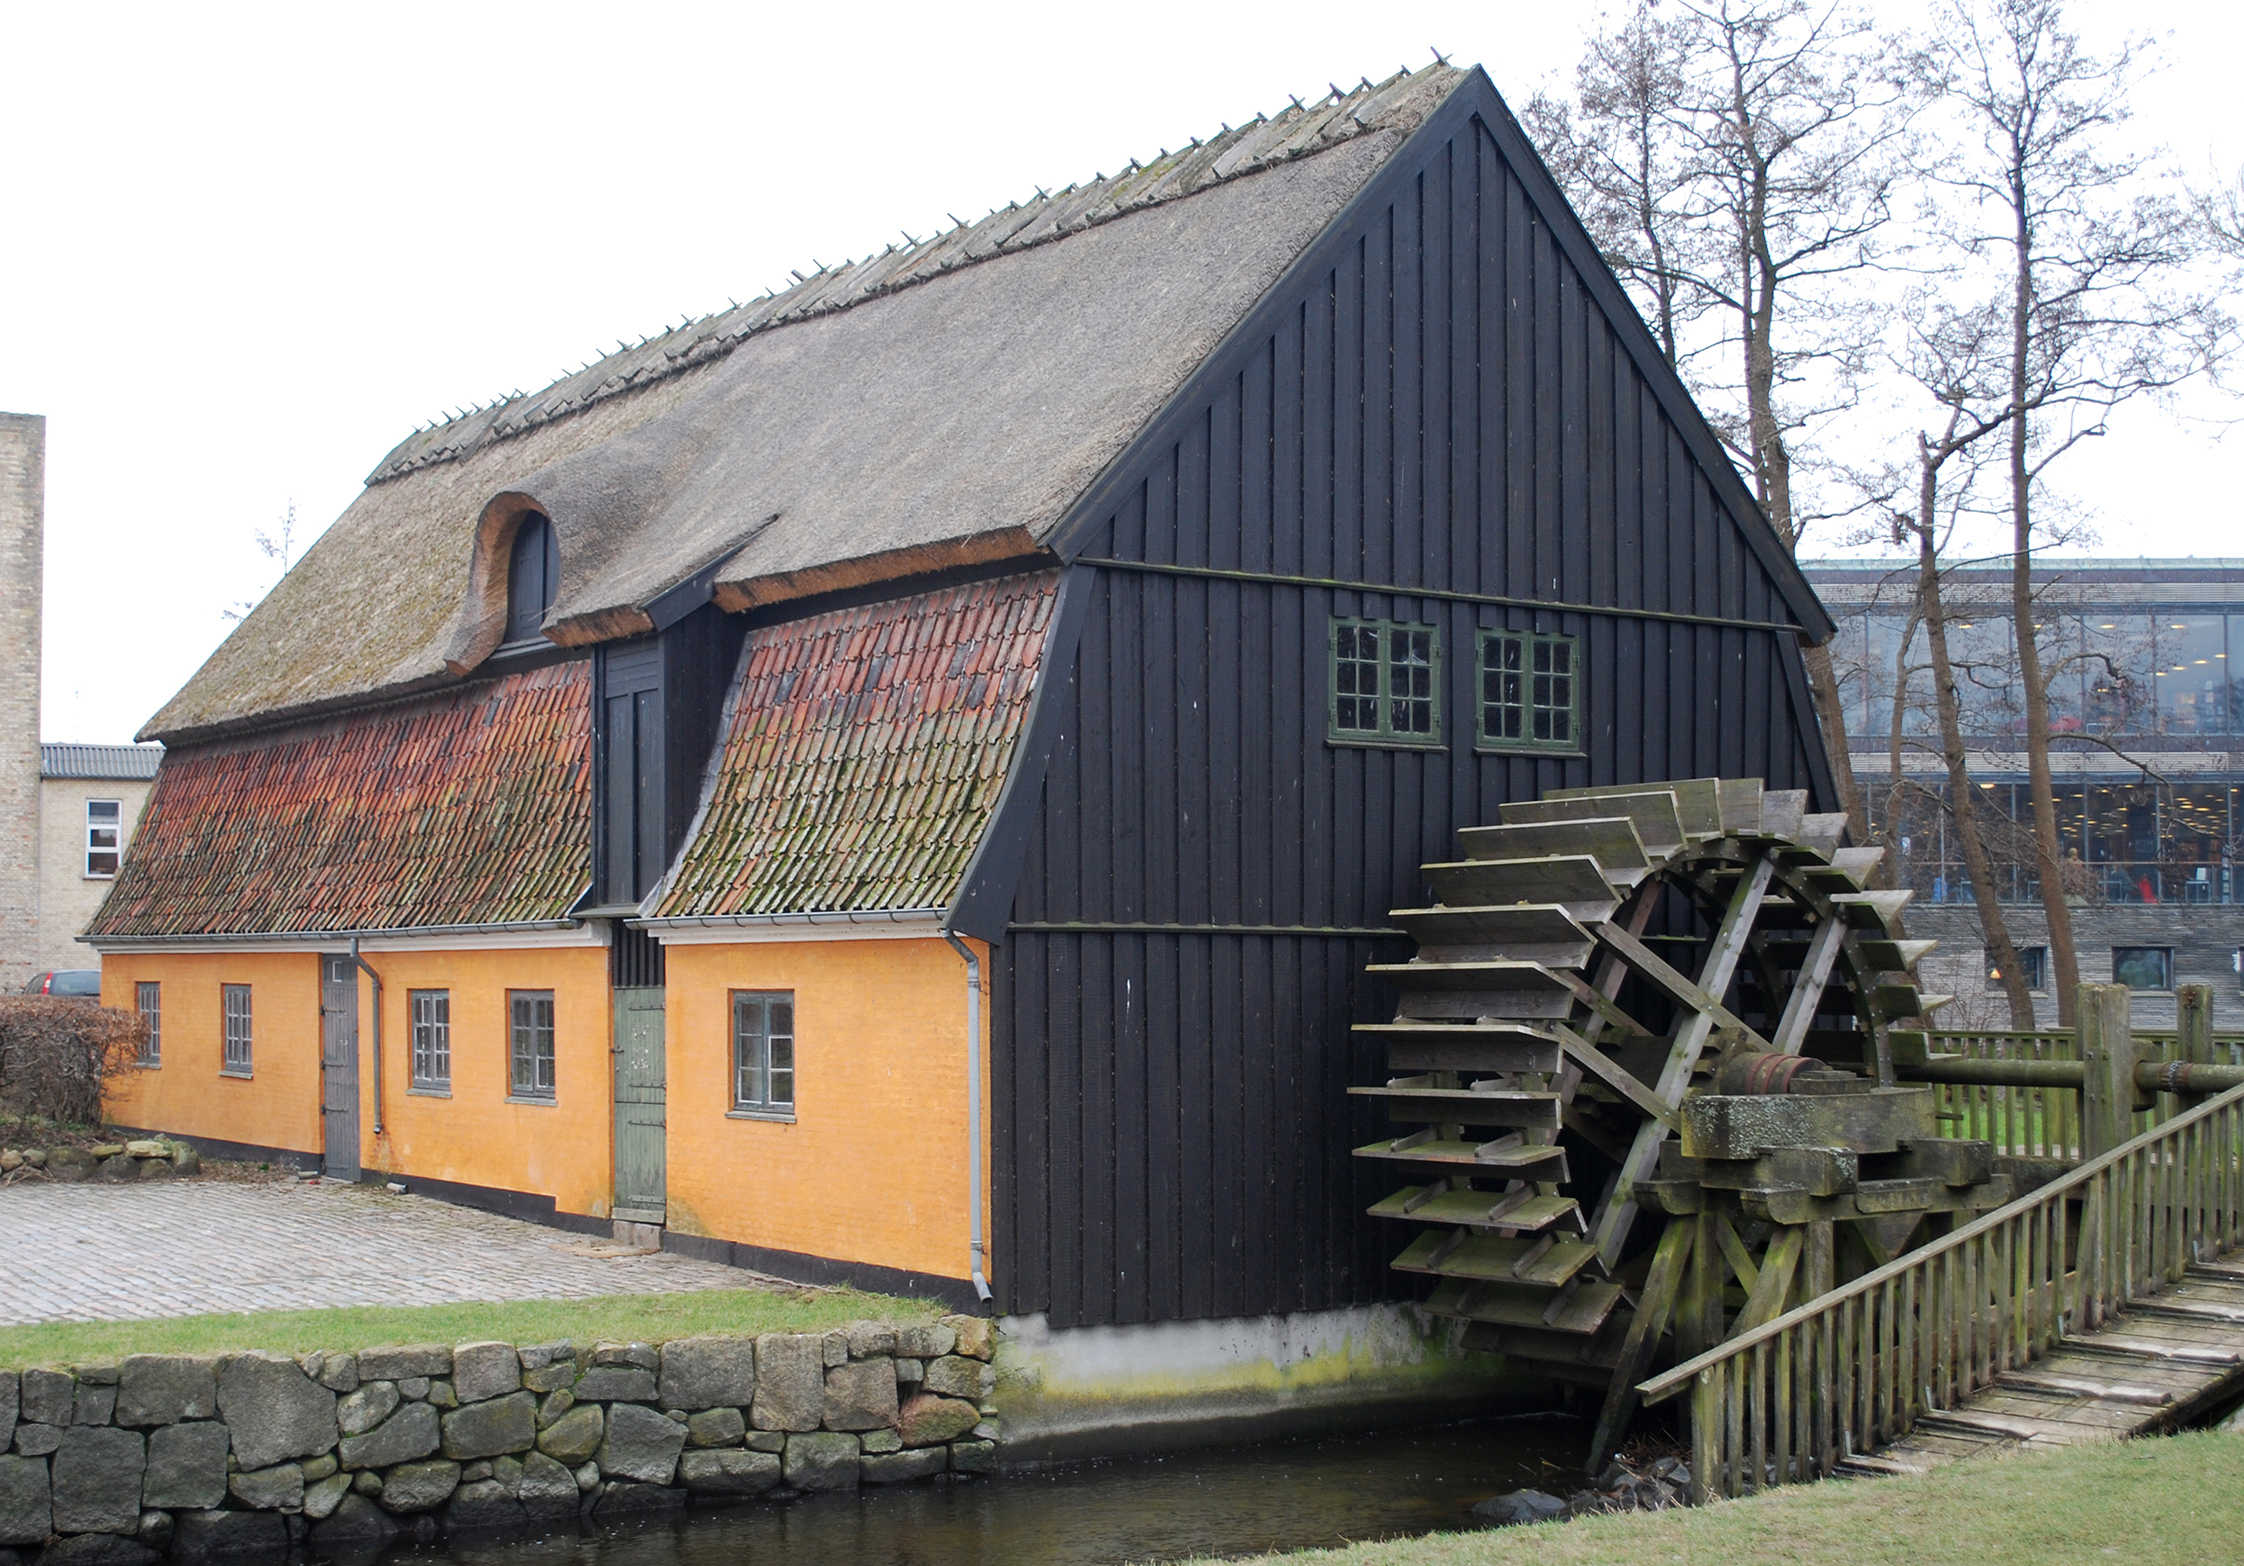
2151 1076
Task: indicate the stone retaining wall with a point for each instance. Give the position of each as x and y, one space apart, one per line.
244 1455
144 1158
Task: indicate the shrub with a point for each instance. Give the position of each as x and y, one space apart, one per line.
56 1054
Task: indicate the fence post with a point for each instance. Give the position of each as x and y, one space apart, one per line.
2107 1055
2193 1019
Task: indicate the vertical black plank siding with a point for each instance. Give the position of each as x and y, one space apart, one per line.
1442 400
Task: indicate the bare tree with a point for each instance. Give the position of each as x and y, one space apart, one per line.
1736 160
280 547
2095 258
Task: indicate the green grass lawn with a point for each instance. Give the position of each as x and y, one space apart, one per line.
2177 1499
614 1318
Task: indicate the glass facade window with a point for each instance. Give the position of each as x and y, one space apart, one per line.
2190 679
2033 962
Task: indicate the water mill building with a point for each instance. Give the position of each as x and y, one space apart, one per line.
902 780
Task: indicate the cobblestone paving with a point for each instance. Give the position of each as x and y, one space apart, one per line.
114 1253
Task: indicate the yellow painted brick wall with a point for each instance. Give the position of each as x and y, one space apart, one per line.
475 1136
873 1167
278 1105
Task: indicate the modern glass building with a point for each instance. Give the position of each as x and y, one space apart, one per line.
2143 679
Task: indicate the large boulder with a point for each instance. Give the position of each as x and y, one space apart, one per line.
861 1395
356 1525
99 1549
398 1364
827 1460
710 1372
420 1487
490 1429
409 1433
26 1501
641 1444
616 1384
483 1507
897 1467
485 1370
575 1436
276 1489
228 1536
956 1376
977 1335
790 1382
163 1389
97 1475
186 1466
730 1472
48 1397
929 1420
274 1410
11 1399
360 1411
546 1489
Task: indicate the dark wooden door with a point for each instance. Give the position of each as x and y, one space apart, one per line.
641 1159
338 1061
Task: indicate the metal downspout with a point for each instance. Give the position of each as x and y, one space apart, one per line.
976 1254
368 969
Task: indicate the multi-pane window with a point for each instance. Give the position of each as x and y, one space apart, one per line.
1384 676
432 1039
104 820
763 1051
1530 691
236 1006
2143 967
530 1048
150 999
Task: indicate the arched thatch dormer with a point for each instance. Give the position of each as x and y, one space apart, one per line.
513 579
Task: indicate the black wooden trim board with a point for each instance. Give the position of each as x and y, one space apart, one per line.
795 1267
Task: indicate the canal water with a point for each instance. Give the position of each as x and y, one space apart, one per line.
1226 1501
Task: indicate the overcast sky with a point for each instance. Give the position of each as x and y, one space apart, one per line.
246 250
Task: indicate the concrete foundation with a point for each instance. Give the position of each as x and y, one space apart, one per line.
1100 1391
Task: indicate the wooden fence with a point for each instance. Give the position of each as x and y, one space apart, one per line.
2044 1122
1854 1368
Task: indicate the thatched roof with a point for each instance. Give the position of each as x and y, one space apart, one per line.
944 402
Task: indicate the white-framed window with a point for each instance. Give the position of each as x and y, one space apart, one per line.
237 1061
105 824
431 1011
530 1045
149 997
763 1052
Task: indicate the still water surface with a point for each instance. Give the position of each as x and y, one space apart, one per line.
1225 1501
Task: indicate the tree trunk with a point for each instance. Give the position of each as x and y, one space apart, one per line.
1963 801
2048 861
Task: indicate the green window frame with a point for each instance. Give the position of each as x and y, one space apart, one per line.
148 997
1384 683
238 1059
431 1014
1528 695
763 1052
530 1074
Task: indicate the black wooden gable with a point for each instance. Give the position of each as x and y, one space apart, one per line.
1526 438
1444 413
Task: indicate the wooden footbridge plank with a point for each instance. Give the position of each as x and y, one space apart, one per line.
2146 1371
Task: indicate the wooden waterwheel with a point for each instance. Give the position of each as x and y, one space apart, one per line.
1641 1077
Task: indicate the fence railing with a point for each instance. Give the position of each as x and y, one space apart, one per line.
2043 1122
1855 1368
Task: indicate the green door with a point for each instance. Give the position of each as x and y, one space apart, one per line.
641 1190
